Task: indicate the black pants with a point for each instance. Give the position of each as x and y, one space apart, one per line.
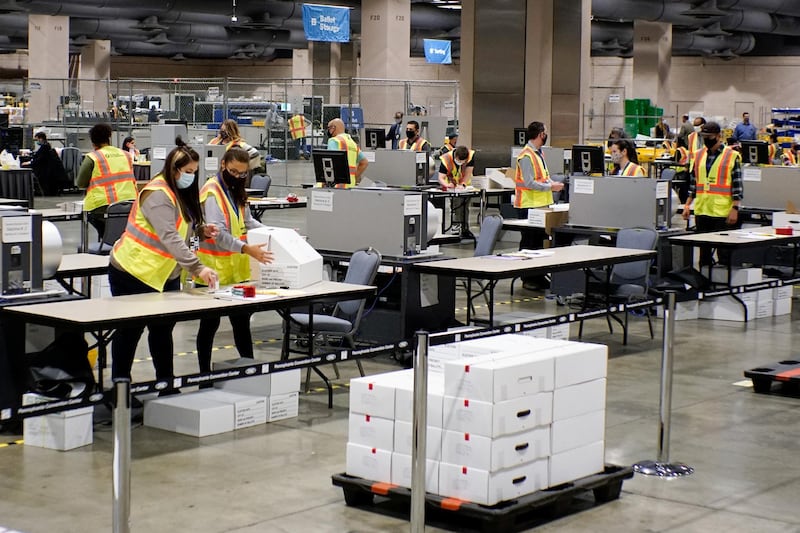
97 219
532 239
240 324
708 224
125 340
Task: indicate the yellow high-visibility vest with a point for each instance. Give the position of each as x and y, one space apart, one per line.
523 196
231 267
112 178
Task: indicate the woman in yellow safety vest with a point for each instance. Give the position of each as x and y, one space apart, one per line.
230 136
625 160
160 241
775 150
224 201
790 156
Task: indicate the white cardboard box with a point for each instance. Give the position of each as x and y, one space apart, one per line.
496 454
401 472
683 310
782 292
263 385
764 308
66 430
404 401
579 399
371 431
295 265
556 331
191 414
248 410
580 362
578 431
577 463
500 379
726 308
283 406
404 436
739 276
502 418
782 307
369 463
782 219
374 395
482 487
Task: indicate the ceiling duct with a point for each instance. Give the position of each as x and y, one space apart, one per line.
712 30
704 10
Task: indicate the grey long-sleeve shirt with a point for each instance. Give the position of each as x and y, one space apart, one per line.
214 214
161 213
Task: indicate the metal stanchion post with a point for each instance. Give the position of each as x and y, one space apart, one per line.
482 212
662 467
121 492
420 427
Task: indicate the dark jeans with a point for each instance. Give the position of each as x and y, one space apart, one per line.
240 324
708 224
159 334
532 239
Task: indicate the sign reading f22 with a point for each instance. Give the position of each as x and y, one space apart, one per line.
326 23
437 51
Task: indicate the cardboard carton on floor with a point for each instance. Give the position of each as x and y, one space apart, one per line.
66 430
192 414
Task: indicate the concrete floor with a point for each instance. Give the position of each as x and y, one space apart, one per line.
276 477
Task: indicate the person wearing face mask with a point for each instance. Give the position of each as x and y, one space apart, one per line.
745 131
230 136
340 140
107 175
533 188
455 172
716 187
395 130
449 144
47 166
413 140
695 142
224 201
625 160
129 145
160 240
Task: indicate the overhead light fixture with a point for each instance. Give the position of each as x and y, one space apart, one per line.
727 54
712 30
160 38
704 10
234 18
178 57
149 24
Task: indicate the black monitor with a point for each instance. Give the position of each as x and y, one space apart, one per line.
587 159
755 152
331 167
519 136
374 138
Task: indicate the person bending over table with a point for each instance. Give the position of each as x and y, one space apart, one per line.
224 201
716 186
533 188
455 172
161 238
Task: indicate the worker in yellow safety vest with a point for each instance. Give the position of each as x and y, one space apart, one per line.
230 136
449 144
107 175
716 186
774 149
790 156
356 160
455 173
159 242
625 160
224 201
681 179
297 129
413 140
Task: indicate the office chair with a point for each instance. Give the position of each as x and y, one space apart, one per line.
261 182
116 218
343 323
484 245
629 281
71 159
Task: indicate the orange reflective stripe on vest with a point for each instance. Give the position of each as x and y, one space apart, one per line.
523 196
632 170
112 180
713 192
453 170
346 143
297 127
417 146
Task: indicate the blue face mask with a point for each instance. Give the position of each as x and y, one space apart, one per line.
185 180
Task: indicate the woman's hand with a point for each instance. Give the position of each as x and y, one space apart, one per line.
259 253
210 231
210 277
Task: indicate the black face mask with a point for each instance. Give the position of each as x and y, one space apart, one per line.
235 187
411 134
544 139
710 142
230 180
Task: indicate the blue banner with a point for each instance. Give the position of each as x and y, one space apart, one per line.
437 51
326 23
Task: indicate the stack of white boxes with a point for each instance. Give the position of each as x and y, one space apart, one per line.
558 331
727 307
231 405
782 300
508 415
66 430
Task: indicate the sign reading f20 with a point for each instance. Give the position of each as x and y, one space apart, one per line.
326 23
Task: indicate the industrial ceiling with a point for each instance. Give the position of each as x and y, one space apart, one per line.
266 29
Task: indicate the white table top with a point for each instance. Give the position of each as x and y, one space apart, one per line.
272 201
562 258
72 263
736 238
57 213
108 313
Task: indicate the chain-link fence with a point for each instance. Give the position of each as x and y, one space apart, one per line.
66 108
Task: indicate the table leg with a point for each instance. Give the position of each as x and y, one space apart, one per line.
469 299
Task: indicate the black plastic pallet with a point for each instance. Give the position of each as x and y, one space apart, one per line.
786 372
512 515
